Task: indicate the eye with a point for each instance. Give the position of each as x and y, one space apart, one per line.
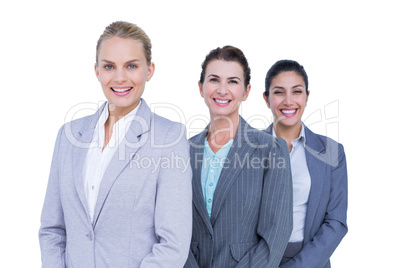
232 81
298 91
131 66
108 67
213 79
278 92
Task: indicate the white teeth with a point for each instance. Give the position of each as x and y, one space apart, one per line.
121 89
288 111
222 101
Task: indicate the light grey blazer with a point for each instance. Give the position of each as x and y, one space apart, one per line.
325 224
142 216
251 219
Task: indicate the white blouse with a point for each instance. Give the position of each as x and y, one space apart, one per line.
97 160
301 185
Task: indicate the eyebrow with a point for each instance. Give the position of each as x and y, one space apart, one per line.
130 61
298 86
279 87
217 76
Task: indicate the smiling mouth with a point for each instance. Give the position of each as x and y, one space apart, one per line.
222 101
121 90
289 113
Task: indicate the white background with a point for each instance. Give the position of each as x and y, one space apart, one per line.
350 49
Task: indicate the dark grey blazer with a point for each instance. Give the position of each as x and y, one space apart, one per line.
251 218
327 204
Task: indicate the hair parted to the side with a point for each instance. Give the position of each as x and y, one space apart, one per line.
129 30
284 66
227 53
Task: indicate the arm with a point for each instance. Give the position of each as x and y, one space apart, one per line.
173 208
52 232
275 220
317 252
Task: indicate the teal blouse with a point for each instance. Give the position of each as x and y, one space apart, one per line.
212 164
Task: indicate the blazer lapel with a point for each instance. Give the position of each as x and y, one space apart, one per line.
269 129
315 157
81 145
240 148
197 154
136 136
315 152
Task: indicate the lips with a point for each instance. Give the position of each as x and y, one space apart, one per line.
121 91
288 112
222 102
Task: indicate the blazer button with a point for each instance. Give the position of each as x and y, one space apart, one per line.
90 236
210 236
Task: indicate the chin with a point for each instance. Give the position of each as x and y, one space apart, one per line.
289 123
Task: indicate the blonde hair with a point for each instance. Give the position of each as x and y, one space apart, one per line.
124 29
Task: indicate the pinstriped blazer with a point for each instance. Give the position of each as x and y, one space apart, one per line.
327 204
251 219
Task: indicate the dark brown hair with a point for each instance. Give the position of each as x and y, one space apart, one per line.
284 66
227 53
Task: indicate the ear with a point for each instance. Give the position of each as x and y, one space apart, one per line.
200 88
96 71
246 92
308 94
266 100
151 70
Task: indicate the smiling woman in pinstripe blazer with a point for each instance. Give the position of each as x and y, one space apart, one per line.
242 196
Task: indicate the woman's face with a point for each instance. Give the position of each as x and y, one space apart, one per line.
122 71
287 98
223 88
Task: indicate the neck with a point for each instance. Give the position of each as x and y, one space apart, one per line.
288 133
118 112
222 129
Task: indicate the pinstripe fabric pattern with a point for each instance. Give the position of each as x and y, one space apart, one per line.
251 218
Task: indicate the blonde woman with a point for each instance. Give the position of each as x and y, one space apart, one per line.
105 205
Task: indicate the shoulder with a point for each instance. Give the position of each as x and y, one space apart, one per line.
72 130
263 140
83 123
328 143
276 140
327 149
264 137
77 124
197 136
167 131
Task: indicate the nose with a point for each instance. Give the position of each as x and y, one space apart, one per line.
222 89
288 101
120 75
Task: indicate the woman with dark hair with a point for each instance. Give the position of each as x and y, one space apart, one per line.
318 171
242 199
